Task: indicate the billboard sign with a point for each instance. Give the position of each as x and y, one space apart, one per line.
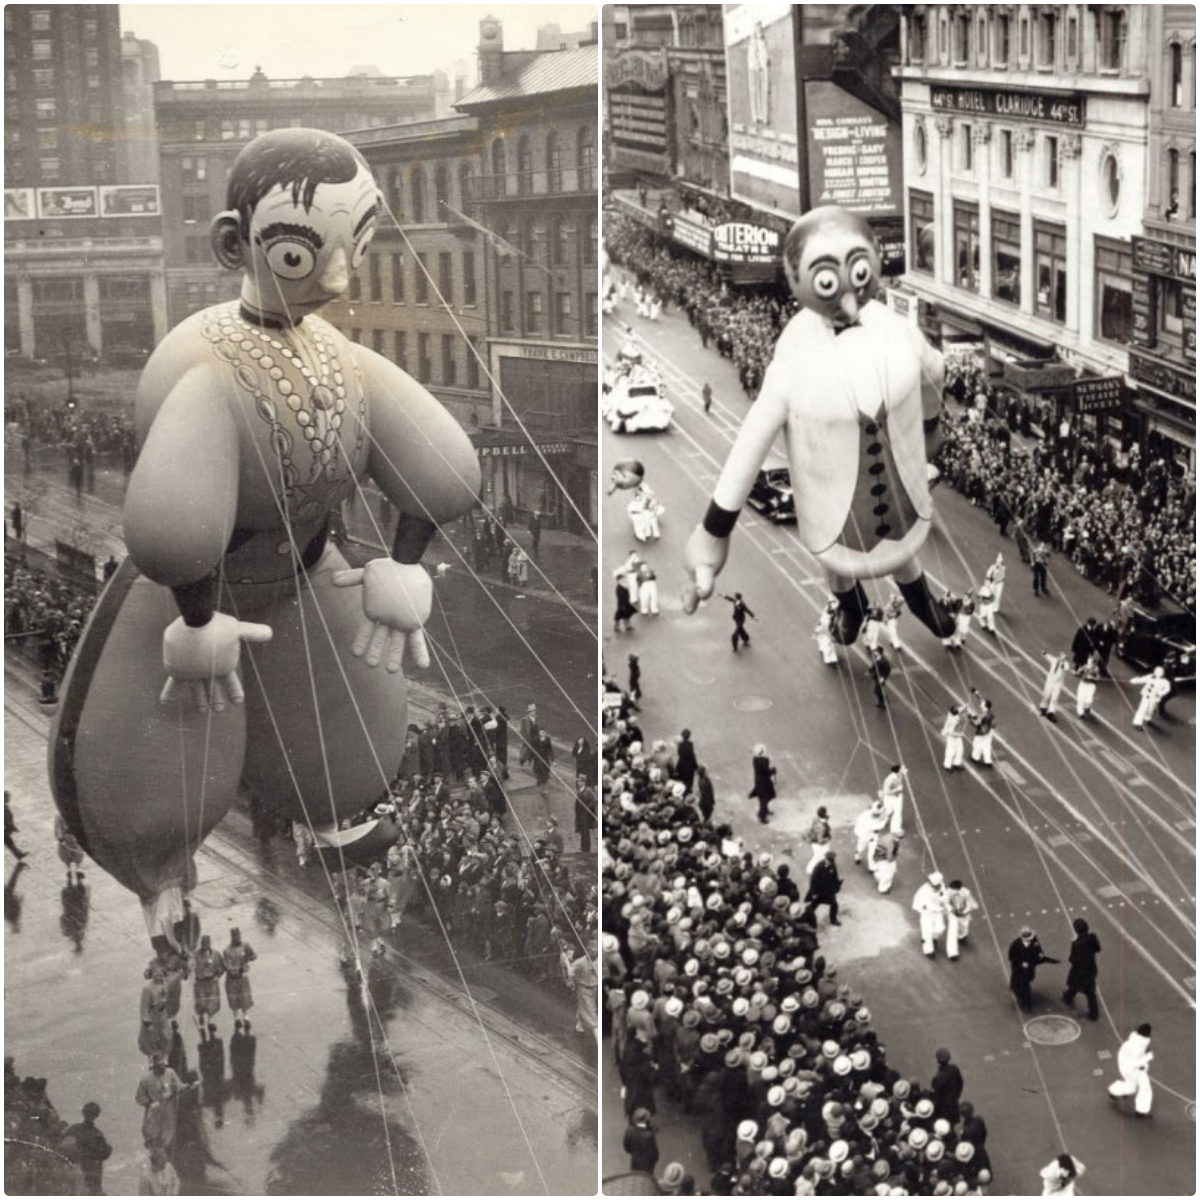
1015 104
130 200
636 82
854 153
67 202
19 204
742 242
760 81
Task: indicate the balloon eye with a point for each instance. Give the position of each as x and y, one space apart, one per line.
860 273
290 260
825 283
360 250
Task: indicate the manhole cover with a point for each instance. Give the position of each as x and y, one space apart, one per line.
1052 1031
1191 1111
753 703
700 680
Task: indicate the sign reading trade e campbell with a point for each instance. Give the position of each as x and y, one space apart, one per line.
1014 104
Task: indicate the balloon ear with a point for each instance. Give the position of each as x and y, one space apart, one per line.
227 244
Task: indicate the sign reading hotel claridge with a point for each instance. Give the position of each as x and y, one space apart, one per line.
1053 108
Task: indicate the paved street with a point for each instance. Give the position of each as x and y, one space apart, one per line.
1092 820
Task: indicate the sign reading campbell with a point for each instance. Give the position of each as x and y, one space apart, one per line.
1054 108
741 242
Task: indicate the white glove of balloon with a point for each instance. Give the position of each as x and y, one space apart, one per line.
397 599
203 660
704 556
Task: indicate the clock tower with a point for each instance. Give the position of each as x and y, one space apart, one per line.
491 50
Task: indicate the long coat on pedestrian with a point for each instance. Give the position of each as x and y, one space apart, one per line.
947 1088
764 779
1082 973
685 763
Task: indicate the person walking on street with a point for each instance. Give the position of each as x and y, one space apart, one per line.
1060 1176
996 575
823 635
635 679
929 903
640 1143
1039 554
647 584
158 1175
823 887
626 588
535 530
820 838
92 1150
1155 688
987 607
528 731
685 760
947 1088
238 956
1133 1062
585 813
880 670
1085 693
1056 675
1082 973
983 721
17 518
764 783
1025 955
208 966
706 798
891 792
964 610
706 397
741 610
10 827
954 729
871 822
960 904
891 620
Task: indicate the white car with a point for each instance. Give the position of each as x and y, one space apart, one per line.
636 403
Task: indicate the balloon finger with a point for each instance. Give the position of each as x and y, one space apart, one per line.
705 578
200 695
219 696
233 682
349 578
249 631
395 655
362 637
690 598
378 641
420 648
172 691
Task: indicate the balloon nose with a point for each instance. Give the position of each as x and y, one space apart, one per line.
849 306
335 279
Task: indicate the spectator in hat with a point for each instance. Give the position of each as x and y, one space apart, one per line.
640 1142
91 1149
1025 955
947 1088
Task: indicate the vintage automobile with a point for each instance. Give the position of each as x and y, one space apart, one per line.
1162 636
636 402
772 496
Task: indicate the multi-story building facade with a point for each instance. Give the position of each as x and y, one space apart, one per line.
139 74
1162 357
1025 166
536 193
202 125
82 231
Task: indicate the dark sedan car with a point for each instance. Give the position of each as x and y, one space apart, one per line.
1163 636
772 496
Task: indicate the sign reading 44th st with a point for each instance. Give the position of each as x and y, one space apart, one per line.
1054 108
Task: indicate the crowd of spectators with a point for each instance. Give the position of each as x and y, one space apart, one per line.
1125 517
85 433
719 999
46 610
743 326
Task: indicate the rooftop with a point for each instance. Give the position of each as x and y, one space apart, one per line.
541 74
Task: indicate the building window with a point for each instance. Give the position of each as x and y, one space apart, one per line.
392 192
1110 184
193 169
49 168
441 188
1003 40
1004 146
564 232
473 351
1050 161
562 313
397 278
1006 257
499 168
374 278
1072 38
195 209
966 148
400 348
962 39
534 308
468 263
199 130
920 147
196 249
449 365
1047 38
1191 195
966 245
1170 307
1172 209
91 28
1024 37
593 242
39 20
553 162
416 192
245 128
377 340
593 317
981 38
43 78
356 335
355 292
422 277
47 110
1050 270
228 130
464 182
446 276
91 58
587 161
1114 291
524 167
1112 39
47 139
918 35
1175 50
507 321
424 363
921 232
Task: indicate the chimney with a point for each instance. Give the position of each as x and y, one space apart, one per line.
593 38
491 50
460 80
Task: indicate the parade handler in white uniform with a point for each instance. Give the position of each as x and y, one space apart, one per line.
929 903
857 392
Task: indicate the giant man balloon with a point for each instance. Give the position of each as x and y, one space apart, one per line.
257 419
857 392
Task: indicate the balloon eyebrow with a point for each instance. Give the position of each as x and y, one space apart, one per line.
826 260
366 218
281 228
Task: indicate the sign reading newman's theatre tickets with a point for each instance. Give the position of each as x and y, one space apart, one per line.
1015 104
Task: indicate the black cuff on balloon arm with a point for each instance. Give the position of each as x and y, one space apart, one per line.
413 535
718 521
197 601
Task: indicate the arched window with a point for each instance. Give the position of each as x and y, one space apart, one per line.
524 167
416 190
441 187
1175 50
393 192
593 242
464 182
554 162
586 157
1172 208
499 169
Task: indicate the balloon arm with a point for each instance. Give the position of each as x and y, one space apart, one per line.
197 601
763 423
413 535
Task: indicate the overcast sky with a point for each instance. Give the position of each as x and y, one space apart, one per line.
227 41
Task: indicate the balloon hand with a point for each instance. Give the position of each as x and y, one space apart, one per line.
704 556
397 599
203 660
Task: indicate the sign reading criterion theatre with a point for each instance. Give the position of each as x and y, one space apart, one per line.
1054 108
